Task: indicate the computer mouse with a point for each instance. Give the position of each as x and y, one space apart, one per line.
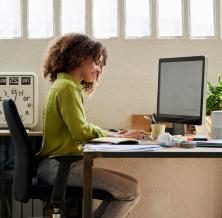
187 144
113 130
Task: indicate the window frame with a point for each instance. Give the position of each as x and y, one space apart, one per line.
182 23
27 23
151 23
118 23
60 18
121 21
21 26
214 20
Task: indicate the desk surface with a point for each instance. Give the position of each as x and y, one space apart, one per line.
5 132
173 152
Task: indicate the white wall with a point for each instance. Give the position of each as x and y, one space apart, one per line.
171 187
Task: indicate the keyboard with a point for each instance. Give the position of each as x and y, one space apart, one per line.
210 143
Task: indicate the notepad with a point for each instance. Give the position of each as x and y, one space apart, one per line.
114 140
120 148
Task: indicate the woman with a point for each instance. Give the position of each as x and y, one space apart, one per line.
74 64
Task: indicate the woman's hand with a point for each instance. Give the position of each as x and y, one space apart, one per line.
125 133
136 134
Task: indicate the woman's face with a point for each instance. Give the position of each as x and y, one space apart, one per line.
90 69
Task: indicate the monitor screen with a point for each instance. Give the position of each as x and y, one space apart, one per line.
181 90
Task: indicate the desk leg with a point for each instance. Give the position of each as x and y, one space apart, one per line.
87 186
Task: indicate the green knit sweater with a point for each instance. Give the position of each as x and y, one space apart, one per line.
65 127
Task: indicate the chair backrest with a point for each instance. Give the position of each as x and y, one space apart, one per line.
24 156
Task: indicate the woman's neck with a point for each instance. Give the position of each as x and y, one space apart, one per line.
75 74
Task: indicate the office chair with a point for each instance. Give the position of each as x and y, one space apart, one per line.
25 182
6 172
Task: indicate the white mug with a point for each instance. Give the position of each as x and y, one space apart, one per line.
216 126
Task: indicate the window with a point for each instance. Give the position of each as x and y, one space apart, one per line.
174 18
221 18
10 19
73 16
40 18
137 21
201 18
104 18
169 18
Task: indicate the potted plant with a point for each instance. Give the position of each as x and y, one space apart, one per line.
214 101
214 97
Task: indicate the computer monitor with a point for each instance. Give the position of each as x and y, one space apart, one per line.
181 88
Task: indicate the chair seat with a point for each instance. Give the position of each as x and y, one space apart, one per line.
44 192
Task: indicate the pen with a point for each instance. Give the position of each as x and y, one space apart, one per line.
155 118
148 118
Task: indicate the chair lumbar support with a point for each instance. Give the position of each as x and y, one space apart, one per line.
56 213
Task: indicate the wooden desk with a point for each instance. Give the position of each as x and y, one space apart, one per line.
162 153
5 132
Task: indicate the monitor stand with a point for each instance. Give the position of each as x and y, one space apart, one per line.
178 129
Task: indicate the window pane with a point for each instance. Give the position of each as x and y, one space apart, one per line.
169 18
202 18
40 18
137 18
10 19
104 18
73 16
221 18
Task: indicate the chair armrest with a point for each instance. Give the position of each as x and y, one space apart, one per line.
59 189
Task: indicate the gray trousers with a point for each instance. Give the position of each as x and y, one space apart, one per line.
123 187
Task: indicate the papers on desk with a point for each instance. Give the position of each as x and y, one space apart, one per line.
120 148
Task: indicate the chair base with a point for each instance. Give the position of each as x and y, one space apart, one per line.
70 209
56 213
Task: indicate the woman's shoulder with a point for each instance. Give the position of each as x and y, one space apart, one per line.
64 90
62 84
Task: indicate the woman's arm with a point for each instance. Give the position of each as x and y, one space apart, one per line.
72 112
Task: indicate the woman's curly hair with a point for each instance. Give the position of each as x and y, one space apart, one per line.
67 52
